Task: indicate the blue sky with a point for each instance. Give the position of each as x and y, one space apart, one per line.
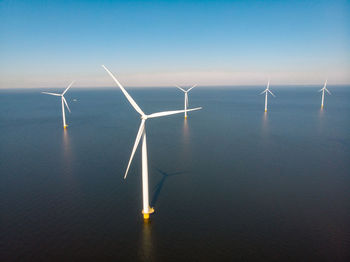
159 43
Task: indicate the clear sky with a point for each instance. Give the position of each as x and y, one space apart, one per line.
159 43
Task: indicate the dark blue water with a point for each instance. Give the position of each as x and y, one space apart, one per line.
230 183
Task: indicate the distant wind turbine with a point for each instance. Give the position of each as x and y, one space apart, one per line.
186 97
322 90
267 90
63 102
147 210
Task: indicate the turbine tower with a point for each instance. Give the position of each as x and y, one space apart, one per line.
322 90
63 102
186 97
147 210
267 90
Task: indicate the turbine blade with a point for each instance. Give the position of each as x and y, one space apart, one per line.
137 141
263 92
268 85
271 93
327 91
325 83
320 90
132 102
191 88
64 100
53 94
167 113
68 88
180 88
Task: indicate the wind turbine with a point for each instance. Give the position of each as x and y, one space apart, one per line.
322 90
63 102
147 210
267 90
186 97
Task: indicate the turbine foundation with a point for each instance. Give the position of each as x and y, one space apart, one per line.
146 215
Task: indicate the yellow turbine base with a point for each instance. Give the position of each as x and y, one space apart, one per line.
146 215
64 126
185 117
265 110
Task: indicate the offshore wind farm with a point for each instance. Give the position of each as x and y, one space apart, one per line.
269 183
225 173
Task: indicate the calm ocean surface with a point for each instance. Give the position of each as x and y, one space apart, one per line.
228 184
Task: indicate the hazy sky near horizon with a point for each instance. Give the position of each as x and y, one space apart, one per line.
160 43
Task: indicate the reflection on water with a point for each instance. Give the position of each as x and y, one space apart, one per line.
67 163
185 137
321 119
67 153
147 249
321 112
186 133
264 125
65 140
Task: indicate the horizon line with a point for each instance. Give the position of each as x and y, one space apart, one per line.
170 86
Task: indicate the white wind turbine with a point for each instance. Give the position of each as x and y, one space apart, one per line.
267 90
322 90
63 102
186 97
147 210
